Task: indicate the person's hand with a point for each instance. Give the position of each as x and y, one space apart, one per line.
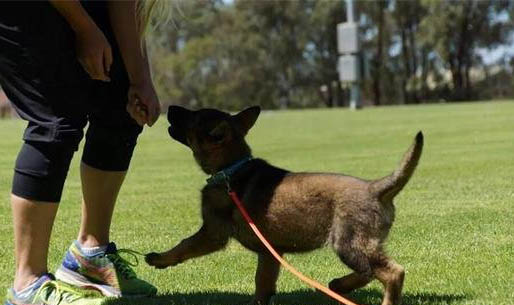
143 104
94 52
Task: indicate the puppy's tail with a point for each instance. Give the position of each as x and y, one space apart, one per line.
388 187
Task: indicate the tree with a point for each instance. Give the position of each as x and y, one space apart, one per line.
322 51
457 28
281 53
407 16
376 36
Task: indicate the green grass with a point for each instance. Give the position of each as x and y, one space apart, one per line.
453 232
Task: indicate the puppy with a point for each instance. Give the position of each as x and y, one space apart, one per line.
297 212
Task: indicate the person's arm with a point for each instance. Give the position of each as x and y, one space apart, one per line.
143 104
93 49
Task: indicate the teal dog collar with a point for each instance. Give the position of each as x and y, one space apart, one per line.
223 176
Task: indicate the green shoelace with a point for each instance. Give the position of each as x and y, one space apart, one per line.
123 265
55 292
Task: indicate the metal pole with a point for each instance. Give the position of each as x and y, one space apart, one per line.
355 95
349 49
349 10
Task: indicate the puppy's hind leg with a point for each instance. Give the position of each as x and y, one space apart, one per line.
266 277
363 274
348 283
346 246
391 275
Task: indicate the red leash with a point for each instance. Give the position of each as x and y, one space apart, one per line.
286 265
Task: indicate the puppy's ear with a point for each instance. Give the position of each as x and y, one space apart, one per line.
178 114
246 118
178 117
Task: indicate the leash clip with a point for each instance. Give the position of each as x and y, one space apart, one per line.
227 182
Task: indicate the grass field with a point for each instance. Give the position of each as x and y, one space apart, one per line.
454 230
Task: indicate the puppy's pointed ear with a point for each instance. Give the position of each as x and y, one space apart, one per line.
246 118
178 117
177 114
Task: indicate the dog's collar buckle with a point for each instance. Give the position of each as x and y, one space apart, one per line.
223 176
218 178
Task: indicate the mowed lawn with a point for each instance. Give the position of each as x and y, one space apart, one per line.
454 230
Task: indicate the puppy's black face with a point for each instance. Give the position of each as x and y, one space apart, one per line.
188 126
213 136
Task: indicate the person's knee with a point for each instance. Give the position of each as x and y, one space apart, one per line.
41 169
110 149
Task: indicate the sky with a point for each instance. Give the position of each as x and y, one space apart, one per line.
492 56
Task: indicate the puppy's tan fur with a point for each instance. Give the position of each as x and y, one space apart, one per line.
297 212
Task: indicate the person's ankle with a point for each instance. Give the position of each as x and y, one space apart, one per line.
23 279
90 250
90 241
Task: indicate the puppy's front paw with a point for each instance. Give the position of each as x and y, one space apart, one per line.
157 260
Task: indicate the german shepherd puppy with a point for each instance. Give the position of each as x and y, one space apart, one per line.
297 212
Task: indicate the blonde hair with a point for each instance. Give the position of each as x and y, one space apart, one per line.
151 13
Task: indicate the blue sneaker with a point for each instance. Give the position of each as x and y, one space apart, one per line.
47 291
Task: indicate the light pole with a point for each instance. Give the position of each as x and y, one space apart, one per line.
349 47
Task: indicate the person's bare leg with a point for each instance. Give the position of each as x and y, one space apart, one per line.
100 190
33 222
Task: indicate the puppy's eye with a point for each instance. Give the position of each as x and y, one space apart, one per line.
219 132
216 138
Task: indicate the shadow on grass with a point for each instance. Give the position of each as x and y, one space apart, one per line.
298 297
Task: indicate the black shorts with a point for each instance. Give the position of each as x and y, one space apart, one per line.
47 86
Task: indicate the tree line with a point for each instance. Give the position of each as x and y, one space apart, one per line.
283 54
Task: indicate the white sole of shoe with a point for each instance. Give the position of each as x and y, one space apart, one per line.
75 279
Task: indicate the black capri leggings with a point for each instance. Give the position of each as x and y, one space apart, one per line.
42 77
